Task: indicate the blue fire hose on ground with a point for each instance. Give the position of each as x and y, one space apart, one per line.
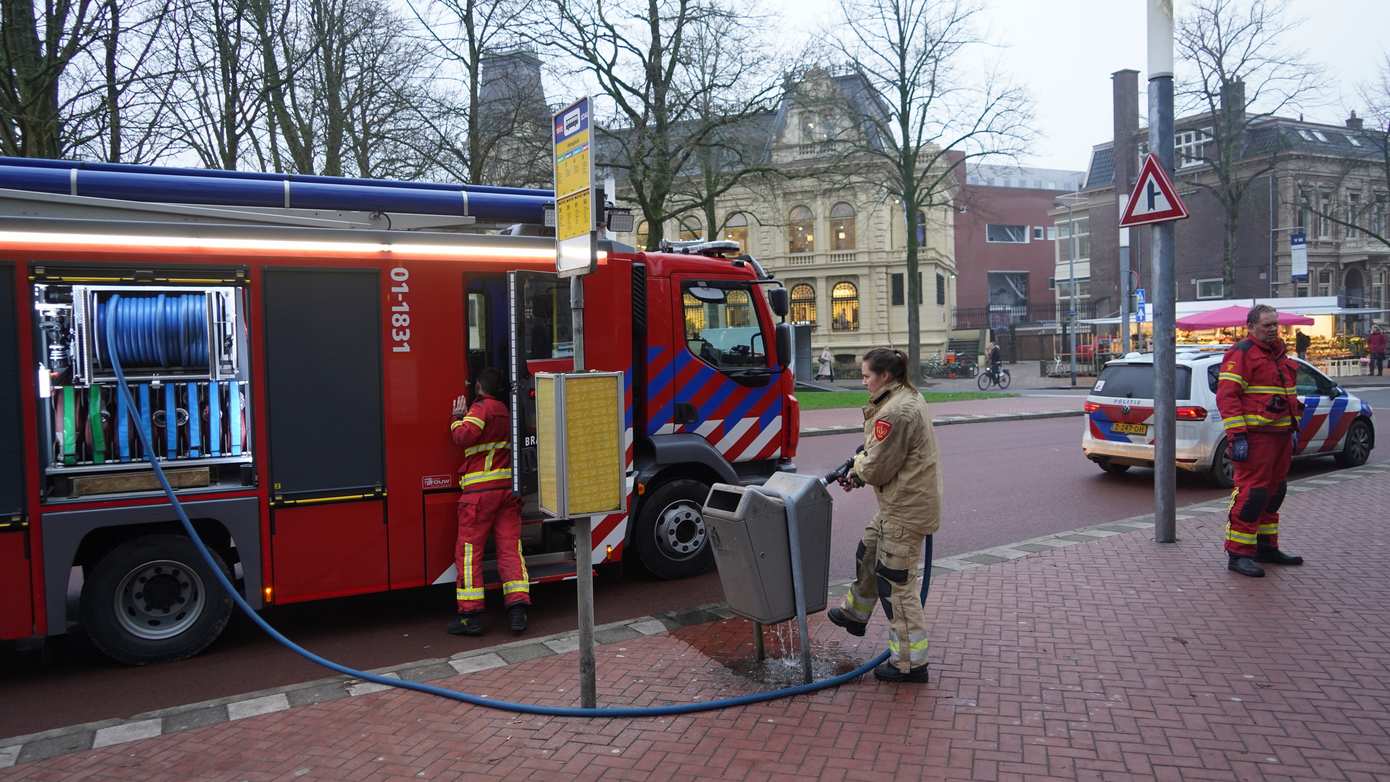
428 689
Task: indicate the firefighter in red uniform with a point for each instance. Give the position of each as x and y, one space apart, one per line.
484 431
1257 396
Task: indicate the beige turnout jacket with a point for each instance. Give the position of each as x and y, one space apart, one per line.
900 459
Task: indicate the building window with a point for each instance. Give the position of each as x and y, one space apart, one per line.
1211 289
841 227
1190 146
690 229
1302 208
941 289
1051 233
921 228
641 235
844 307
739 310
1083 240
1378 214
1301 291
800 231
896 296
998 233
1324 282
1353 215
1083 288
1324 226
736 230
803 304
1039 233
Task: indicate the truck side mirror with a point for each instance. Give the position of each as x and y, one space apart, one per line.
780 301
784 345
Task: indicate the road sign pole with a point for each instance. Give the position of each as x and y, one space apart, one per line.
1124 290
583 534
1160 34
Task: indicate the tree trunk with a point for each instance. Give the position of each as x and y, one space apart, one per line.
914 292
113 92
1228 252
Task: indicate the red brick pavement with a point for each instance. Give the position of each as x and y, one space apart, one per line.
1112 660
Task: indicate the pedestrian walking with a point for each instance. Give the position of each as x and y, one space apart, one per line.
487 506
900 461
827 371
1258 398
1377 345
1300 343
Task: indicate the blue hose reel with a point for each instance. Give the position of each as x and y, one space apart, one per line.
163 331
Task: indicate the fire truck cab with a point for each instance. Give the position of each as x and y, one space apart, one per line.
293 346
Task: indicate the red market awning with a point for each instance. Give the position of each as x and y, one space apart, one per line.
1227 317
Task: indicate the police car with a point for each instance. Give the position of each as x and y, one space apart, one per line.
1120 417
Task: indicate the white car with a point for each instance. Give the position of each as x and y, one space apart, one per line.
1119 417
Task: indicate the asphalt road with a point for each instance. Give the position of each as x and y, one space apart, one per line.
1004 482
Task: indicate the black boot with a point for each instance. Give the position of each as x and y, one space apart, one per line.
1245 566
838 616
888 672
466 624
1276 557
516 615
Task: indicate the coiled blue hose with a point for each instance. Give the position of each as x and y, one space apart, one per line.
428 689
163 330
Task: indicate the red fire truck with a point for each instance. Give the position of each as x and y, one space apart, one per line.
293 345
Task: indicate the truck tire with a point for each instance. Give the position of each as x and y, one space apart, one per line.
670 537
153 599
1357 448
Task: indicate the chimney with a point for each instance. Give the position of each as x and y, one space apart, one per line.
1233 103
1125 91
1354 122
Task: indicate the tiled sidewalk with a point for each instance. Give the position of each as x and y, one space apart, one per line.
1112 658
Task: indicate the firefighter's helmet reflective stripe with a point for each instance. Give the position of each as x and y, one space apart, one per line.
485 476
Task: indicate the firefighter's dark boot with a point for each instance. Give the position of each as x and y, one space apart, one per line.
1245 566
1274 556
888 672
839 617
466 624
516 615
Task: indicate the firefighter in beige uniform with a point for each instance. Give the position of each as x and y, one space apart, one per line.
900 462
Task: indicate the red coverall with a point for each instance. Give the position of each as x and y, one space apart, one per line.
1257 396
487 504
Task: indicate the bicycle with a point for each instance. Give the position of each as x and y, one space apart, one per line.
987 378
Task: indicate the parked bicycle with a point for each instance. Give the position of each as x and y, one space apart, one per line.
990 377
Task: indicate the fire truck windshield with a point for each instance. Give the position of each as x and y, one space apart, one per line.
722 327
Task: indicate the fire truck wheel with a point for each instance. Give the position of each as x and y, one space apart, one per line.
153 599
671 538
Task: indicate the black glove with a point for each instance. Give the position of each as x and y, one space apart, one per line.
1240 448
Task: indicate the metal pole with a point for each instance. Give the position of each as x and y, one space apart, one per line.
583 534
759 650
1124 287
1071 294
1160 29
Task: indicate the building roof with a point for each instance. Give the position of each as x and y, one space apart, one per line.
1263 137
990 175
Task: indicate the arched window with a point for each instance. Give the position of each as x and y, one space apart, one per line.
844 307
841 227
738 309
736 230
690 229
641 235
921 228
803 304
801 231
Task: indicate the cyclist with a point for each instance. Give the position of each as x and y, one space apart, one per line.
995 359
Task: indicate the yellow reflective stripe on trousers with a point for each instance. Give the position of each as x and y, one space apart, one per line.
1239 537
1233 377
512 587
475 478
859 608
493 445
916 651
468 594
1269 529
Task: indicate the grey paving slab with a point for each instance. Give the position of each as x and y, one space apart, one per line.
1035 548
563 645
127 731
985 559
612 635
428 673
257 706
477 662
649 627
43 749
322 693
198 718
525 652
8 755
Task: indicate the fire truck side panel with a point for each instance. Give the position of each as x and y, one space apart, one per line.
16 599
329 550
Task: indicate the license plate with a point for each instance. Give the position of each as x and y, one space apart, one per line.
1130 428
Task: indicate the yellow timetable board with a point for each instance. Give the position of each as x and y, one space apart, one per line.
574 215
581 448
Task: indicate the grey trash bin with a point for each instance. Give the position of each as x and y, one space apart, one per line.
748 533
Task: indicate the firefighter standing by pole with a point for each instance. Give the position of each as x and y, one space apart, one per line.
487 504
1257 395
900 461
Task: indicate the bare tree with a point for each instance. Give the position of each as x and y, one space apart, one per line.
921 116
639 53
1243 75
35 54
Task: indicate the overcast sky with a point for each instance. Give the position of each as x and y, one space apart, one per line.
1063 52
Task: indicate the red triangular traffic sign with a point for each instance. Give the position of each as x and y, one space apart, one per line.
1155 198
